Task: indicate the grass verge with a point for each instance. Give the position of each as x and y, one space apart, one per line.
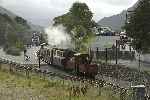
16 87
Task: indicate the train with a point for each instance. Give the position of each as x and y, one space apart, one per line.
69 60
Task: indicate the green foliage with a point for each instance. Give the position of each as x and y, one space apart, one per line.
82 15
78 22
7 18
20 20
12 33
12 38
13 51
65 20
43 38
19 44
139 26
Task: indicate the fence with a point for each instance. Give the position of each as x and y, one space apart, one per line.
14 67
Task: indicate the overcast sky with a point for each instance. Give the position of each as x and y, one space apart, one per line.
43 11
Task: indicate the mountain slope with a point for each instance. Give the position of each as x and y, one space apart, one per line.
12 15
13 30
116 21
5 11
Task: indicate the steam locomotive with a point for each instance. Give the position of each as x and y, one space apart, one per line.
79 63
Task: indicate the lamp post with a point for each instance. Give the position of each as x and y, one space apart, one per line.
39 53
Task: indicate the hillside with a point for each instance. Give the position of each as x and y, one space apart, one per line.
11 26
5 11
12 15
14 31
116 22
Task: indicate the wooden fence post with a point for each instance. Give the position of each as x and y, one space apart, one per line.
10 67
44 74
28 76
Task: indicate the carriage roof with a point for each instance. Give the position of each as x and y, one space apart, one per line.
81 54
138 86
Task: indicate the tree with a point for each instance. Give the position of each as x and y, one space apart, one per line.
20 20
43 38
138 26
78 22
81 15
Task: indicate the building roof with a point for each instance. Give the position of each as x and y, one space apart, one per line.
138 86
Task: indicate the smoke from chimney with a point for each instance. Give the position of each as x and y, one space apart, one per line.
57 36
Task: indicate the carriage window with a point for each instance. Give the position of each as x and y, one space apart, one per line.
59 53
55 52
48 52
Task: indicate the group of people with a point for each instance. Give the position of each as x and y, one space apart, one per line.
77 90
80 87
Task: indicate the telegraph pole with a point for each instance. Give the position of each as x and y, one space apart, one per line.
116 52
39 61
106 55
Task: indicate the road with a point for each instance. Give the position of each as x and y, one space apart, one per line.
31 52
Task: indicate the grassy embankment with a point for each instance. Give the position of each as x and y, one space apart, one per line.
15 86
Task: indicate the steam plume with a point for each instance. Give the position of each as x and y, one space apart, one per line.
58 37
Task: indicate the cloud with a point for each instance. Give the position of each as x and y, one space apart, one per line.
119 2
42 11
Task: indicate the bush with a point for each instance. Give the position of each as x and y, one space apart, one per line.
13 51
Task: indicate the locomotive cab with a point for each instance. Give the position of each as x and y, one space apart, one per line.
83 64
82 58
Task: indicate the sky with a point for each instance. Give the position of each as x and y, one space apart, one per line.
42 12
